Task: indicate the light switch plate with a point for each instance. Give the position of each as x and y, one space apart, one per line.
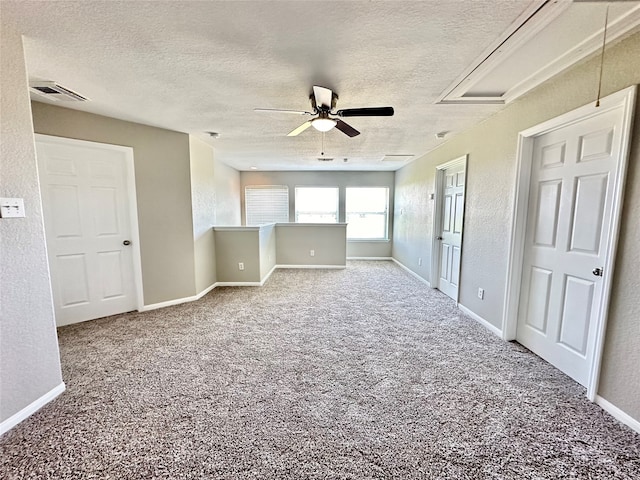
11 207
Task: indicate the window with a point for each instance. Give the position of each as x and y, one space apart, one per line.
316 205
266 204
367 212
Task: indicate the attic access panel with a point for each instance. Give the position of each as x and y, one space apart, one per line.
547 38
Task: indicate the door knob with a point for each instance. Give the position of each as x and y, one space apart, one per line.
126 242
438 238
597 272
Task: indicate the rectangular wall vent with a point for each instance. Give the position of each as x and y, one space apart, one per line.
397 157
53 91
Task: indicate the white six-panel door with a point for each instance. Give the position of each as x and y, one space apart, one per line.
85 195
566 241
451 222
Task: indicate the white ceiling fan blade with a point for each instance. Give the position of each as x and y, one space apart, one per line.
279 110
300 129
323 96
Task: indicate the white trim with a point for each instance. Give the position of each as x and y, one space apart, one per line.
312 266
136 255
530 22
205 291
301 224
386 259
520 35
30 409
264 280
170 303
178 301
624 99
244 228
628 101
411 272
618 414
437 217
193 298
519 219
368 240
135 233
489 326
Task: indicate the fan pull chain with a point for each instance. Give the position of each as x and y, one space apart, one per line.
604 41
322 152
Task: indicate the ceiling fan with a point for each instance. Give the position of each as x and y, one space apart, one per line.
323 104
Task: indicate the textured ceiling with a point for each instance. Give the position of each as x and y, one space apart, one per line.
204 66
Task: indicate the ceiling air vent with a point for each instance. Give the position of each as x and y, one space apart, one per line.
325 159
53 91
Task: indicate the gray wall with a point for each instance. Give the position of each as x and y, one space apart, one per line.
227 194
491 146
29 358
329 179
236 245
163 190
267 249
294 242
203 201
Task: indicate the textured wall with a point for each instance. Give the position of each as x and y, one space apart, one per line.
235 245
491 146
295 240
29 359
203 206
620 374
330 179
163 190
227 188
267 249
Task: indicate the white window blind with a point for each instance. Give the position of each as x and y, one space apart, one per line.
266 204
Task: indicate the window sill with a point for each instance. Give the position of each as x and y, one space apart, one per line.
368 240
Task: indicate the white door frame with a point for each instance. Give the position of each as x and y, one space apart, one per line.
133 204
437 219
624 99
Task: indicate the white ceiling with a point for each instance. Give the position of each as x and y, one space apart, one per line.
204 66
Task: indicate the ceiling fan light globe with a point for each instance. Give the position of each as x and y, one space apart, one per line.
323 124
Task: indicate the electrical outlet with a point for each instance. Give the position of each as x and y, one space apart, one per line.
419 261
241 266
312 253
481 293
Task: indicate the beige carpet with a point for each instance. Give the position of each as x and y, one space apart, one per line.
359 373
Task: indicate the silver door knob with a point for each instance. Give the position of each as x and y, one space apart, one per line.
438 238
597 272
126 242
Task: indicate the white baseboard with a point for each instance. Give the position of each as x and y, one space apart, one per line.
386 259
170 303
618 414
205 291
492 328
264 280
30 409
178 301
411 272
312 266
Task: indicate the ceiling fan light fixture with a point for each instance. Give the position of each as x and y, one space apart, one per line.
323 124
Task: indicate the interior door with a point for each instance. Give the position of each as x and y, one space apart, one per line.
567 239
85 201
451 221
